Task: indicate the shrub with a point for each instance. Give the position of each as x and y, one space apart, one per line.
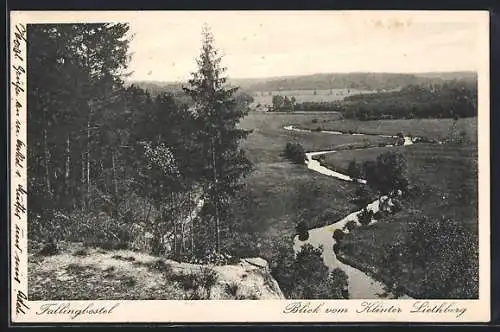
397 206
354 169
161 266
338 280
379 215
351 225
81 252
280 264
208 277
311 277
232 289
365 217
295 153
318 129
387 173
361 197
304 236
442 253
338 235
49 249
97 230
301 227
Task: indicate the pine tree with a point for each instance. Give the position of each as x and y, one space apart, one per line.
216 116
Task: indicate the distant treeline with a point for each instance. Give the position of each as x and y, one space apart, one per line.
176 90
453 99
362 81
327 106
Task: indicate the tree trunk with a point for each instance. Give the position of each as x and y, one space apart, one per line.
82 182
215 198
175 224
47 163
115 186
67 167
191 224
88 162
181 214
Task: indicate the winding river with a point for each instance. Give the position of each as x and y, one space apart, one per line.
360 285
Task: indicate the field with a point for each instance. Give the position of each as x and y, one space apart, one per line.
278 193
266 97
431 128
445 173
268 138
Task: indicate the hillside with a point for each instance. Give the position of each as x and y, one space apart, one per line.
78 272
362 81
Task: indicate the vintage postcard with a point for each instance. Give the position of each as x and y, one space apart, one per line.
249 166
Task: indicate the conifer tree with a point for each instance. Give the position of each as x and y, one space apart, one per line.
216 115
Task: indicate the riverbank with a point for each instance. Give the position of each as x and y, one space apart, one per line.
374 273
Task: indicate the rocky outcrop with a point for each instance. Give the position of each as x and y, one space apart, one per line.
87 273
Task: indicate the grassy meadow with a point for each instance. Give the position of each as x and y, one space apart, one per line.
278 194
430 128
301 96
445 173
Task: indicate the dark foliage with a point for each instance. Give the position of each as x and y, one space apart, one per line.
442 253
295 153
306 276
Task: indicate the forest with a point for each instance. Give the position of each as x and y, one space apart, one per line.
114 166
103 154
450 99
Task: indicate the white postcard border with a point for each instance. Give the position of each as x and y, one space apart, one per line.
26 311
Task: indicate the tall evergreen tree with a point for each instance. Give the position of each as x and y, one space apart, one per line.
216 116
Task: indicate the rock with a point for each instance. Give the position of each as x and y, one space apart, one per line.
257 261
250 279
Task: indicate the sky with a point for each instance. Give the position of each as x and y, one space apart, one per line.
266 44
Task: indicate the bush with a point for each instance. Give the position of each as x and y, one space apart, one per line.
387 173
444 258
96 230
312 280
232 289
295 153
338 280
301 227
365 217
305 275
397 206
351 225
354 169
304 236
314 120
338 235
379 215
318 129
361 197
